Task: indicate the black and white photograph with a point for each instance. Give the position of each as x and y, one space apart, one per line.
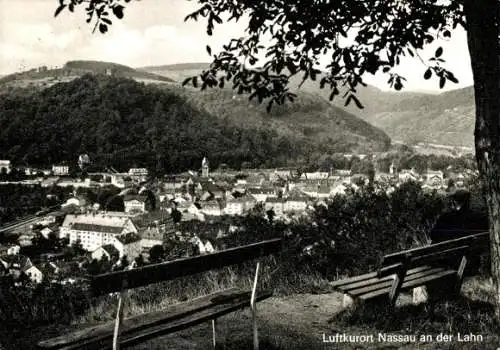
250 174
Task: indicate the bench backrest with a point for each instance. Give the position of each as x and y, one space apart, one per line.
433 253
142 276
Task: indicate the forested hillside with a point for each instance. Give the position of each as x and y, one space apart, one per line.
123 123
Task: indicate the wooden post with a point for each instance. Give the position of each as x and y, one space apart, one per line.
119 311
214 342
119 318
398 281
460 274
254 308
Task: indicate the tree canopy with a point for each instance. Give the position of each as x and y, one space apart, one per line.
358 37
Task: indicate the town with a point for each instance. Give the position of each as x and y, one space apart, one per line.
147 220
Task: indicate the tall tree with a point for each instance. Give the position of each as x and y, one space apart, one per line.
358 37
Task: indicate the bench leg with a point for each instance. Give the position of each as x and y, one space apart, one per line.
420 295
347 301
214 342
460 274
253 306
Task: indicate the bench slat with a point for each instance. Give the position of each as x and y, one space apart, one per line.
475 240
204 316
377 279
409 284
101 336
445 254
114 281
387 284
341 282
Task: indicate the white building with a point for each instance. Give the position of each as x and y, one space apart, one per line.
60 169
34 273
261 194
109 251
138 174
135 204
239 206
296 204
5 167
317 175
128 244
95 230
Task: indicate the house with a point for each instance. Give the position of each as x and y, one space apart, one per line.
25 239
128 244
276 204
10 249
83 160
5 167
261 194
295 203
152 235
212 208
15 264
46 231
209 190
434 178
317 175
37 273
240 205
95 229
324 191
76 201
408 175
109 251
136 204
280 175
60 169
138 174
34 273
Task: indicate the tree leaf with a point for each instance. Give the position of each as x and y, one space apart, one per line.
442 81
357 102
452 78
209 50
348 100
428 74
118 11
59 9
186 81
439 52
103 28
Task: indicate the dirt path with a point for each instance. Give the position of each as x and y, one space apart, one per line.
294 322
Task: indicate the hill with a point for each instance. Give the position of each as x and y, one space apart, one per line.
443 119
124 123
44 76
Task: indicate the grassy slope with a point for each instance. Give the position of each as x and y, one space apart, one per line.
446 118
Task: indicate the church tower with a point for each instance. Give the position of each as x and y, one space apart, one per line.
204 167
392 169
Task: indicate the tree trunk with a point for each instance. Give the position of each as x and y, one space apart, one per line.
483 39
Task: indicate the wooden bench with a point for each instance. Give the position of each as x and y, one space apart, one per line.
414 268
140 328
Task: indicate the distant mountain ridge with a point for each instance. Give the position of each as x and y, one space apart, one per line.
45 76
444 118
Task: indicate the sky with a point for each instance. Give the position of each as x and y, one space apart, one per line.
153 32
